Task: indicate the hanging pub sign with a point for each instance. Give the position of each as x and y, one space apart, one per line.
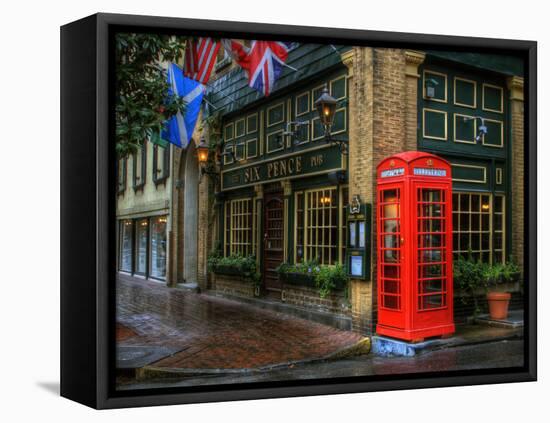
358 245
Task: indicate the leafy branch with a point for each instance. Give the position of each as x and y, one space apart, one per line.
142 101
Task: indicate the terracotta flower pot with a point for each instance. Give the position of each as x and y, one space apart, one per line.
498 304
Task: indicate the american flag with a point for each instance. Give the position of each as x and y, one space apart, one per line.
263 61
200 58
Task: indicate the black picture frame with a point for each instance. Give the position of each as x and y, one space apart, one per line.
88 232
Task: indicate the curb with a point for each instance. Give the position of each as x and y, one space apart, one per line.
361 347
389 347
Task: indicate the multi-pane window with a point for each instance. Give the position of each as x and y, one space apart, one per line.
344 201
161 163
126 242
121 175
320 225
498 229
158 247
140 157
239 227
454 104
478 226
141 246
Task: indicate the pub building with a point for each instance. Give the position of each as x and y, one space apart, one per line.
285 188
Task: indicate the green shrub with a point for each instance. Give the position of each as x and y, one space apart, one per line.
329 277
245 266
306 267
470 276
326 278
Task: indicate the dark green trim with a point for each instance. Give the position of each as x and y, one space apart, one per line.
503 64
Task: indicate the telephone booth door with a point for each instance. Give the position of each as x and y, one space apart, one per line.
390 263
433 261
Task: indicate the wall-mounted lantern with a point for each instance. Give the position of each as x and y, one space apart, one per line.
202 157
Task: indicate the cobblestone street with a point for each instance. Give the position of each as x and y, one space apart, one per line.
197 331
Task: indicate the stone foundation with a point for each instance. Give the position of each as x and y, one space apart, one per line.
233 285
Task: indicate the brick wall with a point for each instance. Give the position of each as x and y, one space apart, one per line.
307 297
232 285
515 86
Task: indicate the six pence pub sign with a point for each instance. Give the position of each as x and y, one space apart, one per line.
293 165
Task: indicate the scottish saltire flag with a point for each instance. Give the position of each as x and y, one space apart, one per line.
200 58
263 61
179 128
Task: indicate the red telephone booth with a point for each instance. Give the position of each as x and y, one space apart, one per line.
414 226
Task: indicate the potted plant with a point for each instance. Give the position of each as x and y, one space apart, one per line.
498 299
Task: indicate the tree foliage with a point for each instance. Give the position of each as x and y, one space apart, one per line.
142 99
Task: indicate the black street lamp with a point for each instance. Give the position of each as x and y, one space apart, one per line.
326 108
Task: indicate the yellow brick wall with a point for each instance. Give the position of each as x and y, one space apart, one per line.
515 86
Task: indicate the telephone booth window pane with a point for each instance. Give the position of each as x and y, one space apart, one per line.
427 302
391 287
390 234
432 248
391 301
390 271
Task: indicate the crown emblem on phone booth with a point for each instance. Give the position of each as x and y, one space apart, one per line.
429 162
392 163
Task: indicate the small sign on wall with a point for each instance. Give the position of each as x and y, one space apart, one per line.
358 245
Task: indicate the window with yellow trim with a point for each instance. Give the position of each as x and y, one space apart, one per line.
320 226
239 227
478 226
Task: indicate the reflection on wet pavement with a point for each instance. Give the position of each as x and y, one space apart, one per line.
215 333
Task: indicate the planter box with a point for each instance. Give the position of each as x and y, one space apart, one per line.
303 279
297 279
228 270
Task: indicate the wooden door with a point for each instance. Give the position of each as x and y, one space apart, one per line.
273 240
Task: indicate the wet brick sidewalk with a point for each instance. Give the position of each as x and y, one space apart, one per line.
215 333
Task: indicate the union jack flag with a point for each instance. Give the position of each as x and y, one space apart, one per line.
200 58
263 61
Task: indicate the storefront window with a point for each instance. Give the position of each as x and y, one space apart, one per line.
478 226
344 201
239 227
126 240
321 225
141 246
299 236
498 229
158 247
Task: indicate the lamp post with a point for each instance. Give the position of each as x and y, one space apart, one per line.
326 108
